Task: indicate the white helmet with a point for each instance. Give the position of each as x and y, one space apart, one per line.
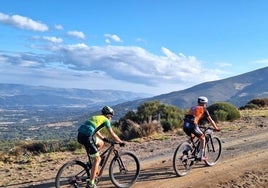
202 100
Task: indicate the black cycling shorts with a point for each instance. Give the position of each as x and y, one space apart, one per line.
89 143
191 128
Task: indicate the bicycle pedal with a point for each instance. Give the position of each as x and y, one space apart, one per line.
192 158
184 158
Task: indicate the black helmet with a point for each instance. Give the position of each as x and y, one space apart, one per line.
202 100
107 110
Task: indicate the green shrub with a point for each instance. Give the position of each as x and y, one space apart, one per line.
149 115
171 124
167 126
221 115
223 111
73 145
249 106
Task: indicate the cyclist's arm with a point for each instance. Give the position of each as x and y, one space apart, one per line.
99 135
115 137
212 122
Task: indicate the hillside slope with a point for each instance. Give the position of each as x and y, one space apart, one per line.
237 90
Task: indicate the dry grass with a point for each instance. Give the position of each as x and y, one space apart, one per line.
259 112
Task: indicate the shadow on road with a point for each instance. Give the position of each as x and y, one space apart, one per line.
162 171
43 184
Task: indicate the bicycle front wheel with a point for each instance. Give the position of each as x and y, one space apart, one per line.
124 169
72 174
213 151
182 160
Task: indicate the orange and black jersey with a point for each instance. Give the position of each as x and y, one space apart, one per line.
198 113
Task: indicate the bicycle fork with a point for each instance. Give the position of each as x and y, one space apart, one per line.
121 165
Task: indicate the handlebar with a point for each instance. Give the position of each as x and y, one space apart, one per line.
112 142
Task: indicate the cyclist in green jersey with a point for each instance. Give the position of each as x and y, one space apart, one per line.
90 136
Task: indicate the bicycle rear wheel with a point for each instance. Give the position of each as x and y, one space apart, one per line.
213 151
182 159
72 174
124 169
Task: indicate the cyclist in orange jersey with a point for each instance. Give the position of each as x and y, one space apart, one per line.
192 120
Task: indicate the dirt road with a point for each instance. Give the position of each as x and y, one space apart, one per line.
244 162
239 168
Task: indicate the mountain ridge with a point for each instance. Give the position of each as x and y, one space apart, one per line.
237 90
26 95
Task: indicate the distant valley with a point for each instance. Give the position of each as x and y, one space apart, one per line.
28 112
50 113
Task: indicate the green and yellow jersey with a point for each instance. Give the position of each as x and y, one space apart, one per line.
93 124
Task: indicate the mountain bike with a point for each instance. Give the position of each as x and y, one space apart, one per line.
185 156
124 169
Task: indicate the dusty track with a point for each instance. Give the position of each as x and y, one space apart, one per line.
244 162
236 169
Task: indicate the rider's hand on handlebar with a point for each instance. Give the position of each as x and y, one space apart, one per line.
217 129
122 144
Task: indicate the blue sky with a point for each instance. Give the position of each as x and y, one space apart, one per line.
148 46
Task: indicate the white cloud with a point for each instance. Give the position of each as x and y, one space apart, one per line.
53 39
140 40
22 22
125 64
262 61
59 27
27 63
107 41
112 37
77 34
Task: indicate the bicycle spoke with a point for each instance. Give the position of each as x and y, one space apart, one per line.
213 151
72 174
182 159
124 170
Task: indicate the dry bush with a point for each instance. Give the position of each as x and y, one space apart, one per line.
131 130
151 128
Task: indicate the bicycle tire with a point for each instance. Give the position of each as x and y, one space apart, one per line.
213 150
182 162
72 174
124 169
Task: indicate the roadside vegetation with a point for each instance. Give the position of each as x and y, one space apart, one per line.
151 119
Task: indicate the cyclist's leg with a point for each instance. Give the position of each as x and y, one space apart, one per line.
188 128
94 154
83 139
198 133
99 143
